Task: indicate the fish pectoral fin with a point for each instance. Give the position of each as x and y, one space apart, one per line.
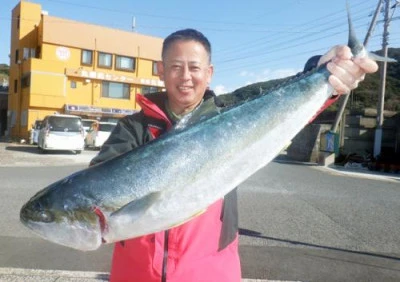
190 218
136 208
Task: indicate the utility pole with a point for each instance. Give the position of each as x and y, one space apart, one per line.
134 24
379 118
345 99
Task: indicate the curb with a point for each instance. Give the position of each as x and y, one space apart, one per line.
33 275
363 173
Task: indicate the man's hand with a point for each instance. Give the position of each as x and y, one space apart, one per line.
347 72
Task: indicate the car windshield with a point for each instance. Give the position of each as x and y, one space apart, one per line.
87 123
70 124
106 127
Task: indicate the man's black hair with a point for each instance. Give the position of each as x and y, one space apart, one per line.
186 35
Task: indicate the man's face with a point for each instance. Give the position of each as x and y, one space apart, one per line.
186 72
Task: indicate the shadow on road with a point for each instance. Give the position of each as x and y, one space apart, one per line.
35 150
256 234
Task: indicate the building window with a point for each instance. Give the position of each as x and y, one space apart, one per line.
115 90
15 86
24 118
105 60
29 53
37 53
26 80
124 63
149 89
73 84
18 21
155 68
16 56
26 54
87 57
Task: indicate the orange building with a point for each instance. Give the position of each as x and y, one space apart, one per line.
60 65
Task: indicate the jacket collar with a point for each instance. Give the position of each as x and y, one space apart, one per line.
153 105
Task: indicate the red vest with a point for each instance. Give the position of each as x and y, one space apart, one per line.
191 248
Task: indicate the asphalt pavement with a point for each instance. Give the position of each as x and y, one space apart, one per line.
15 154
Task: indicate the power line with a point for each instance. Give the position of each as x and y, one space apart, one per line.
257 55
271 38
262 56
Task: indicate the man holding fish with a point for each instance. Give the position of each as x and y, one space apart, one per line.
205 248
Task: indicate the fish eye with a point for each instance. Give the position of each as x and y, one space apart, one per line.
36 212
45 216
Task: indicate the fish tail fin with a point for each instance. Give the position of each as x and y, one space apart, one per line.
357 48
379 58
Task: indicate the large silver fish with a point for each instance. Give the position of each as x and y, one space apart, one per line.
172 179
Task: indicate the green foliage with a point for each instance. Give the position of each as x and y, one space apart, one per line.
365 96
4 69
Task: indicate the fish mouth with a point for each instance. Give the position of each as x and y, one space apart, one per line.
76 235
34 213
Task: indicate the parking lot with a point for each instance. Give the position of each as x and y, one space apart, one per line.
14 154
271 207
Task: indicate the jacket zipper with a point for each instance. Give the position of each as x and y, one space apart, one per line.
165 257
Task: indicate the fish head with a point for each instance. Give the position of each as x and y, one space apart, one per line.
64 223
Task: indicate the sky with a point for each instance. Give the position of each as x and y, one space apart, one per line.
252 41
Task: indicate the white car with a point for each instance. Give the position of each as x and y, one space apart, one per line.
98 134
61 132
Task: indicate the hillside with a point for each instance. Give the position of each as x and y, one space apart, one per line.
365 96
4 71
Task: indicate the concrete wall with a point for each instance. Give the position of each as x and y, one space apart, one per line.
359 132
356 136
306 145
